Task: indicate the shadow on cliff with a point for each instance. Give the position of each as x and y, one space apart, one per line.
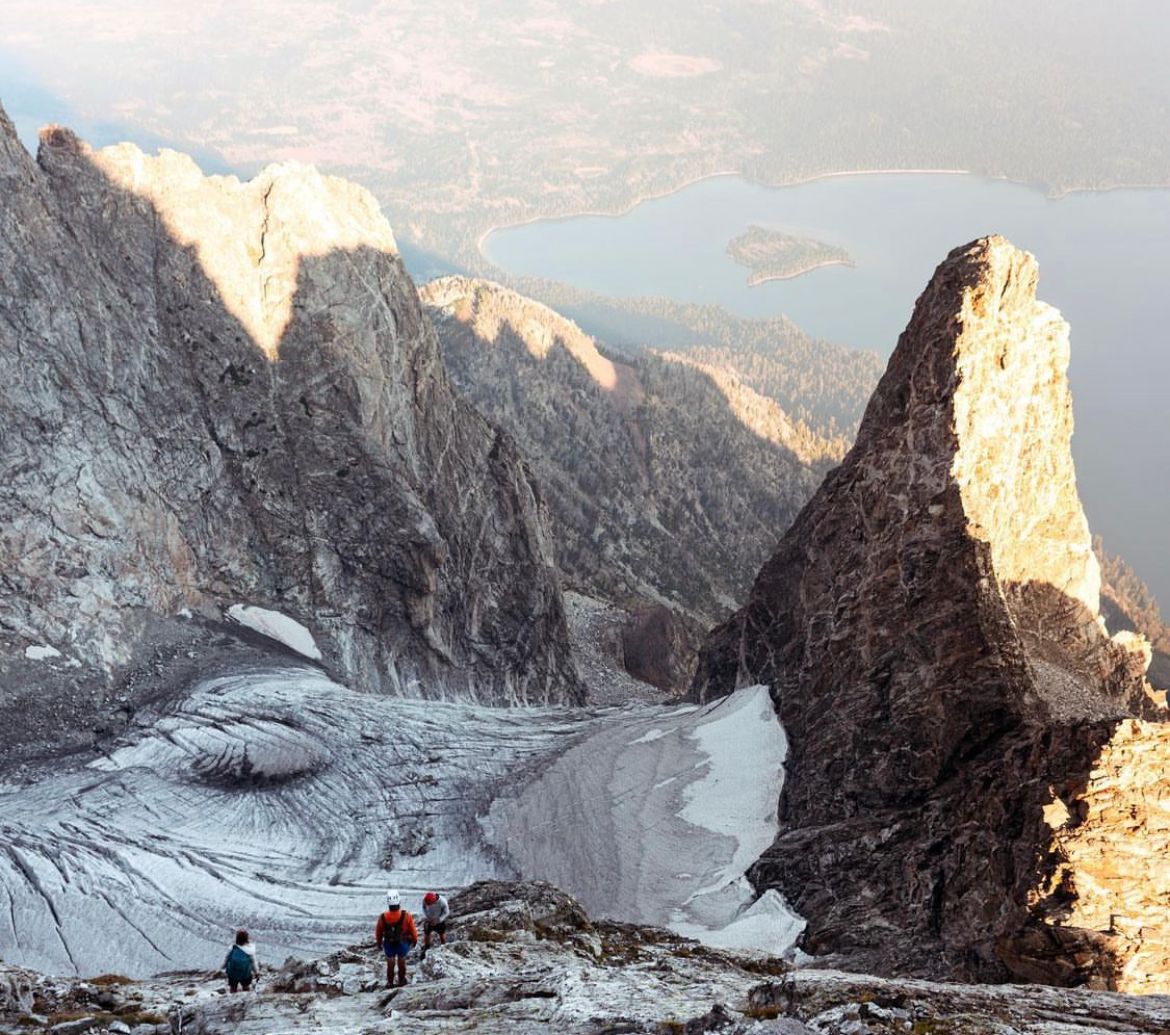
343 483
944 722
659 489
939 814
951 823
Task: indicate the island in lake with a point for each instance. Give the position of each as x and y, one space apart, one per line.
772 255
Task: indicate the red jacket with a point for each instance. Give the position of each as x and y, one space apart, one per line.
390 918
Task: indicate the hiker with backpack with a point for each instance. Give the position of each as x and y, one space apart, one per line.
435 914
396 933
240 963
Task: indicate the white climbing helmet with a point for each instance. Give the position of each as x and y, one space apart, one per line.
393 899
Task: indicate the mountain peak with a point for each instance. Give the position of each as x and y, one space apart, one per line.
977 389
930 629
14 159
161 463
250 237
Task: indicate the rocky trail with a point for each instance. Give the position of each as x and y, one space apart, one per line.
525 957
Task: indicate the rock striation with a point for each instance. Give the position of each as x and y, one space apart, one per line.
929 626
218 393
667 480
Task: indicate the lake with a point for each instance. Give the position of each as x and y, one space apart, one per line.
1104 262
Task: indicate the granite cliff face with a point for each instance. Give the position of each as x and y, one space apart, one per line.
218 393
667 481
929 626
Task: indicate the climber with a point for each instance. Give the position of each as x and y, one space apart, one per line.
240 963
397 935
435 913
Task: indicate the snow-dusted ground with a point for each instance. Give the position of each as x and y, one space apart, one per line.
41 652
655 816
280 801
526 961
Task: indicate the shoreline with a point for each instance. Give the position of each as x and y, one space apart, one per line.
1054 194
755 280
618 213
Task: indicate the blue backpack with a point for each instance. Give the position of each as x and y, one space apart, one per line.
239 965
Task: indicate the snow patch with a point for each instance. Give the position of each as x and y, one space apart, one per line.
278 627
650 737
41 652
739 794
658 824
767 925
737 797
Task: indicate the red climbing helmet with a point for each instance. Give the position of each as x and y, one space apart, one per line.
430 898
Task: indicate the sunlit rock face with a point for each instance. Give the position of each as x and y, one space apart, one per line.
930 629
667 482
218 393
1112 872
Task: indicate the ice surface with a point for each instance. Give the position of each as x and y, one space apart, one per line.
767 925
660 827
650 737
274 800
737 796
738 793
279 801
277 627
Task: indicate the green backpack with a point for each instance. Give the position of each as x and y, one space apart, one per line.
239 965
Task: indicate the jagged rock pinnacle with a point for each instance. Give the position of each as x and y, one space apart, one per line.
929 627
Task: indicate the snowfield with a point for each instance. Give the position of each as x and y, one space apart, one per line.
275 800
660 827
279 801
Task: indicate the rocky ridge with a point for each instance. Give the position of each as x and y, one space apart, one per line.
1128 604
666 480
929 626
526 958
218 392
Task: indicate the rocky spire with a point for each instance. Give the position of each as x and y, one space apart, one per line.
218 392
929 626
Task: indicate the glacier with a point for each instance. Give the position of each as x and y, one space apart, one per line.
281 801
655 821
